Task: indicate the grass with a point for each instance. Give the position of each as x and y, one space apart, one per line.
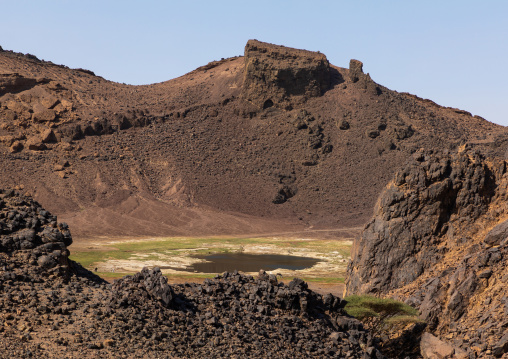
388 311
175 246
403 319
88 258
162 249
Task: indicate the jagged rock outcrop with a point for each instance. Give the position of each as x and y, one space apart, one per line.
356 75
282 76
429 244
31 235
148 284
15 83
412 215
355 70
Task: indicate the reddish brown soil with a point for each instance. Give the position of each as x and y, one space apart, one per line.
194 155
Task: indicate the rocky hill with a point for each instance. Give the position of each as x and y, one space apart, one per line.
277 140
439 241
50 307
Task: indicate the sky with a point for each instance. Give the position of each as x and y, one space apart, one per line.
452 52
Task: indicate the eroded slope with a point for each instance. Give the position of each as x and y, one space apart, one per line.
278 135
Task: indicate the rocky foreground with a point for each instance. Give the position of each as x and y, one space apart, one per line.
51 307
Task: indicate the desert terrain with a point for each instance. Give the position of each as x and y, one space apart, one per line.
277 152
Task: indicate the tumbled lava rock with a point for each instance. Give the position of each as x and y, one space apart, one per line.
51 307
26 228
151 281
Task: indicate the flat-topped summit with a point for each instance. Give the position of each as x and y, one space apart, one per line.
274 74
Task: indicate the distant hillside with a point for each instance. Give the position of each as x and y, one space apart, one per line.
278 140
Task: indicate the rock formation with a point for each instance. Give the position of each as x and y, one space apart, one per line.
51 307
281 76
429 244
31 235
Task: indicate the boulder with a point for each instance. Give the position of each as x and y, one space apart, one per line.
35 144
16 106
16 146
48 136
372 133
62 106
150 280
43 115
284 193
49 101
501 347
46 262
433 348
497 234
9 116
343 125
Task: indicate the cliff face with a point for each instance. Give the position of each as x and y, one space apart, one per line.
281 76
429 244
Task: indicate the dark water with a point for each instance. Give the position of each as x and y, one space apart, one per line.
222 262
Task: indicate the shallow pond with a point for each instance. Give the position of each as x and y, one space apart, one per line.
222 262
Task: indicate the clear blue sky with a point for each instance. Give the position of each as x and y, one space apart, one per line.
453 52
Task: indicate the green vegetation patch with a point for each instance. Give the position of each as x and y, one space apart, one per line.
388 310
86 259
143 250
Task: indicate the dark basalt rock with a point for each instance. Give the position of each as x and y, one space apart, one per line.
497 234
355 70
53 307
26 229
150 281
281 76
356 75
412 213
419 248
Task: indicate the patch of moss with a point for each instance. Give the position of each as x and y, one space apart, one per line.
403 319
363 307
